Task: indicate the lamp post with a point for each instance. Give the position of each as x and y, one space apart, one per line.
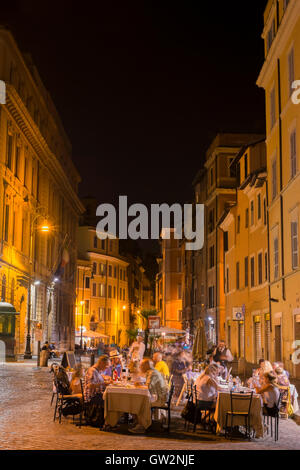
45 229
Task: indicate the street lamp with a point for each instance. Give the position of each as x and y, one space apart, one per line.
45 228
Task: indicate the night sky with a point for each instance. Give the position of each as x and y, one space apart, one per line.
143 86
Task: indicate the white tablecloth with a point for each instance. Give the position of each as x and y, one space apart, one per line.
119 400
256 418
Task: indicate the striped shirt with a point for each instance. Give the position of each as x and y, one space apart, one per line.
92 376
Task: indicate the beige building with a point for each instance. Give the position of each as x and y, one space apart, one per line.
244 225
38 187
281 36
169 282
102 303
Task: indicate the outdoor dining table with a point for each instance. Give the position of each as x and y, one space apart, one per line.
120 399
224 404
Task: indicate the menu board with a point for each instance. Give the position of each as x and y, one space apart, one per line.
68 360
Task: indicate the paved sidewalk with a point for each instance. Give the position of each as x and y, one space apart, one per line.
27 423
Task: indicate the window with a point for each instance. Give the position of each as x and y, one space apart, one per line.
265 211
293 151
102 269
276 258
260 268
94 268
246 165
266 266
179 292
179 265
101 313
95 242
247 218
9 151
294 240
259 206
109 292
110 270
109 314
274 179
272 109
94 289
6 226
291 70
246 266
211 256
87 282
17 165
115 272
237 275
238 224
102 290
225 235
211 297
87 307
252 212
102 244
252 268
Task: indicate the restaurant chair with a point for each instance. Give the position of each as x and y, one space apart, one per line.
63 399
273 413
246 399
203 413
190 406
167 406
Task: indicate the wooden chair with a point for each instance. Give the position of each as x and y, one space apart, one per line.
235 398
167 406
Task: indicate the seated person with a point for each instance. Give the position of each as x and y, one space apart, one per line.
269 391
157 386
207 386
94 381
161 365
282 379
75 385
280 364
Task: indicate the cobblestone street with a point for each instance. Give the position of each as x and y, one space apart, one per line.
27 423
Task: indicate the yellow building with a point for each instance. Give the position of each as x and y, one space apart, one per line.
281 36
38 186
244 225
169 282
102 287
221 185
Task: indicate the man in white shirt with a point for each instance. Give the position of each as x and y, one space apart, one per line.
139 343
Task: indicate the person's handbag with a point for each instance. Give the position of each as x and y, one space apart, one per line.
73 408
188 412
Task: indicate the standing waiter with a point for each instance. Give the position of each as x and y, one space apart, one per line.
223 355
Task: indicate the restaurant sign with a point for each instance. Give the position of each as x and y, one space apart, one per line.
238 314
154 322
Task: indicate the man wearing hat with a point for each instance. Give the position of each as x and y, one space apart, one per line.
116 363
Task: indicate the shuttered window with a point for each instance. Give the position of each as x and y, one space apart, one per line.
291 70
294 240
276 258
257 340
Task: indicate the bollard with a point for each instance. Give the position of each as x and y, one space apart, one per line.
92 359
